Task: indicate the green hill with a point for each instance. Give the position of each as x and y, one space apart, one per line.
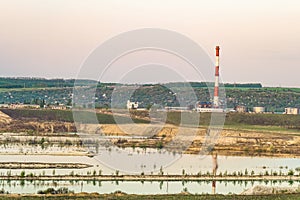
53 91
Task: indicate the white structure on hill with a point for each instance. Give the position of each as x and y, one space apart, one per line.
291 111
258 109
132 105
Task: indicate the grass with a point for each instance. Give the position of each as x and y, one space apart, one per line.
246 121
273 89
67 116
279 89
241 88
246 127
237 121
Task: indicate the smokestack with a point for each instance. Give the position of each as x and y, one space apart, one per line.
216 90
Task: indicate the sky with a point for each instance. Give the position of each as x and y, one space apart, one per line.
259 39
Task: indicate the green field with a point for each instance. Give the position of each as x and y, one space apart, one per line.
237 121
67 116
272 122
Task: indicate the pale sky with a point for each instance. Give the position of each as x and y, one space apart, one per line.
259 39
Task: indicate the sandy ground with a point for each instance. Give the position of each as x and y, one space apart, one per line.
227 142
185 139
4 119
264 190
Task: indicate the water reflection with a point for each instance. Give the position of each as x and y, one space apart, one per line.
145 187
191 164
214 170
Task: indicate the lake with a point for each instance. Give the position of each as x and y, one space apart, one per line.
147 187
136 161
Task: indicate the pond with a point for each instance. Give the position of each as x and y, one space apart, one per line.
150 161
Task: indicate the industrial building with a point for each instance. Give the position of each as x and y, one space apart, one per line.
215 106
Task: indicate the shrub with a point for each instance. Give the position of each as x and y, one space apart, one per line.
63 190
291 172
22 174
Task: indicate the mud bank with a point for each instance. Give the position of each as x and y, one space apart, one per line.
155 178
35 165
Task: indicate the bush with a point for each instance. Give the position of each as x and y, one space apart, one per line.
291 172
63 190
2 191
22 174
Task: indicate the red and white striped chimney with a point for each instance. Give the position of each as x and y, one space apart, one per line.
216 90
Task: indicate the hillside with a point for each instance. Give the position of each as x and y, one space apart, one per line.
24 82
60 91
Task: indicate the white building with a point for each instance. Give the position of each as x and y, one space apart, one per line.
132 105
241 109
292 111
258 109
210 110
170 108
59 107
20 106
4 105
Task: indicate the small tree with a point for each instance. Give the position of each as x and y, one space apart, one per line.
42 141
185 190
161 172
246 172
8 173
42 103
159 145
266 173
22 174
291 172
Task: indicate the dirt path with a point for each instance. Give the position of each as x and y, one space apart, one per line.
4 119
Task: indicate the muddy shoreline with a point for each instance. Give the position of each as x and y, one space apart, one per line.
38 165
239 141
155 178
229 143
